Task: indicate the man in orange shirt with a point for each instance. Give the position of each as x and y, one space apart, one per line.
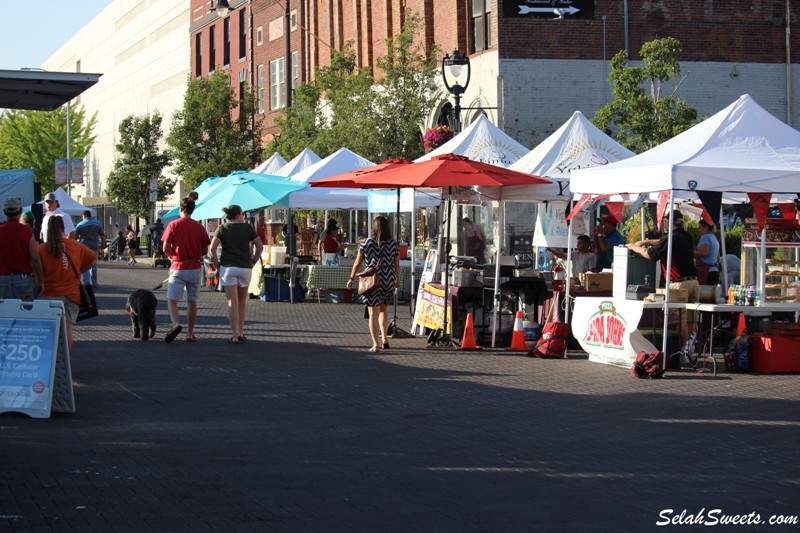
20 265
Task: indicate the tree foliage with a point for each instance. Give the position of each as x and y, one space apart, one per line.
139 160
205 140
646 120
35 139
347 106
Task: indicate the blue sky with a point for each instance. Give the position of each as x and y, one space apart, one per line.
31 32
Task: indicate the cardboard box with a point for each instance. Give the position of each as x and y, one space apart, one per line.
598 282
675 295
771 354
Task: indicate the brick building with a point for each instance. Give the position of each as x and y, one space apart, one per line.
532 65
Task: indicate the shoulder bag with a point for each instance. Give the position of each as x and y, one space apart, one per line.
88 307
368 280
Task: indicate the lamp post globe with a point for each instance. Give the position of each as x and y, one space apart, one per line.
454 64
222 8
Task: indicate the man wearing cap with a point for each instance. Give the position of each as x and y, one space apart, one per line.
90 233
606 237
53 208
683 274
20 265
582 259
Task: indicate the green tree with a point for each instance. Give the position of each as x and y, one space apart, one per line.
298 124
646 120
35 139
405 96
139 161
205 140
346 106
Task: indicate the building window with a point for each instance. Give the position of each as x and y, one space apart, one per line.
242 35
241 100
226 41
260 88
198 54
277 82
212 49
480 25
259 36
295 70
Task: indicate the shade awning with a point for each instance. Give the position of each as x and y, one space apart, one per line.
41 91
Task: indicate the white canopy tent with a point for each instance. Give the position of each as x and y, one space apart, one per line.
271 165
482 141
576 144
741 149
342 160
304 159
69 205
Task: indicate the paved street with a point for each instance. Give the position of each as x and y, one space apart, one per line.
300 429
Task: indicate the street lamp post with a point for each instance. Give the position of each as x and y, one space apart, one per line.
222 8
455 63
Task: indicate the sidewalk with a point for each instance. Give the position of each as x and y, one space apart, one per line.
300 429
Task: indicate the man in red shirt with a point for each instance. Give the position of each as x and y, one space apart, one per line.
20 265
185 242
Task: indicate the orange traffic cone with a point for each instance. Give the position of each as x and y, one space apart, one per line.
468 340
518 336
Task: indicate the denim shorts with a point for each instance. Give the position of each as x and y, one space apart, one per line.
184 279
17 286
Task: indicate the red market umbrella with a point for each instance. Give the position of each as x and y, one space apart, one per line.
353 178
447 170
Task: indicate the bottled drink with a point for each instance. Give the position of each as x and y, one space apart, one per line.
730 295
751 296
558 278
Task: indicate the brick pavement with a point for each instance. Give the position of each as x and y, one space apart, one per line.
300 429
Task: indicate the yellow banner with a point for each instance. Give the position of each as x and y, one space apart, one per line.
430 308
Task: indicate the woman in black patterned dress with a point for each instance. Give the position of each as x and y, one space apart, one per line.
383 252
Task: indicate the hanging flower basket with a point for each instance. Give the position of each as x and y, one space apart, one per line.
435 137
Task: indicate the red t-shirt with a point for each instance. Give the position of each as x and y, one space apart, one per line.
16 238
60 279
188 241
330 245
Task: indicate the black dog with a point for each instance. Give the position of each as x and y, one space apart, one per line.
142 305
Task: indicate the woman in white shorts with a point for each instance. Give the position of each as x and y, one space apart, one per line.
241 249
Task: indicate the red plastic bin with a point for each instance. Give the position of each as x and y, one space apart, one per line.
773 354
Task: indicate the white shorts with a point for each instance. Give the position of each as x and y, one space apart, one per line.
180 280
239 276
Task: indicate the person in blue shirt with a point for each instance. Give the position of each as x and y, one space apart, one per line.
606 237
706 255
89 232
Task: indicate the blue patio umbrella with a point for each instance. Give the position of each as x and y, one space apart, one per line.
209 185
247 190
